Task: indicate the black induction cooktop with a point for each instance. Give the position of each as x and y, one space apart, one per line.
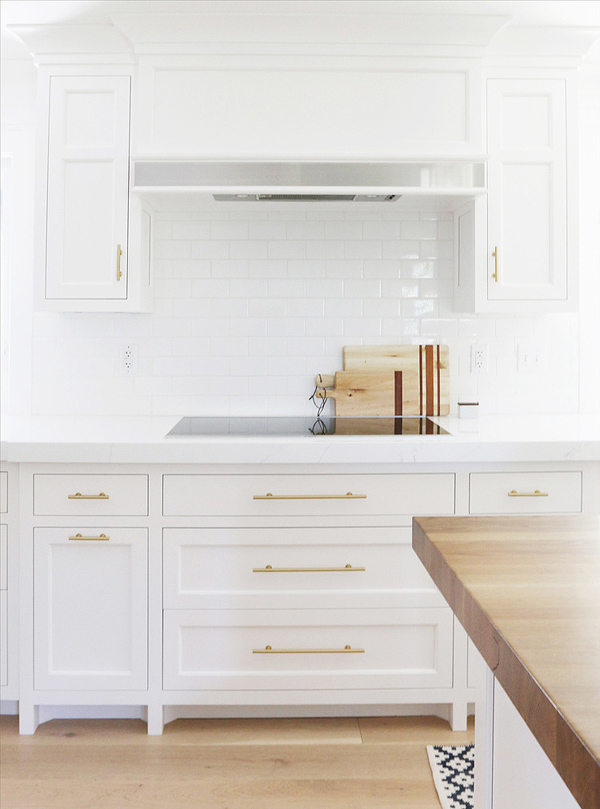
303 425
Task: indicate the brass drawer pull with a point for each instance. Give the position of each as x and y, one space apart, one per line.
119 254
347 496
80 496
495 273
536 493
270 569
268 650
80 537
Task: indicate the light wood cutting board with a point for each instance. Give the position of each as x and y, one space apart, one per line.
386 381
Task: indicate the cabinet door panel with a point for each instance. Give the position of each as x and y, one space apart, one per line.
88 181
90 621
527 201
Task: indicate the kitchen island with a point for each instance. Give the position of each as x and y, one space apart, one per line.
527 591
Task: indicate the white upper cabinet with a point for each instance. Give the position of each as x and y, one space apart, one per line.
527 205
94 243
516 250
88 187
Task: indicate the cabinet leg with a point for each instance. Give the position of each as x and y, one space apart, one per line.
458 715
155 719
29 718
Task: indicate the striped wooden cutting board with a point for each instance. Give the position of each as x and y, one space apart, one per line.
385 381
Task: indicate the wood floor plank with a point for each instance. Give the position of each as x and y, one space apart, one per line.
222 764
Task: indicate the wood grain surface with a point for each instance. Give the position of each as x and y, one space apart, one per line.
527 591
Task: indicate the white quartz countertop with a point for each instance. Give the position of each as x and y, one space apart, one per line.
129 439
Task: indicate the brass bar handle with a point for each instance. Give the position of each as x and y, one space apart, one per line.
79 496
347 496
119 254
495 273
270 569
536 493
268 650
81 538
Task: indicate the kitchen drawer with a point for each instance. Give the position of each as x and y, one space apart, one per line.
237 568
301 495
3 492
3 637
228 649
3 557
90 495
525 492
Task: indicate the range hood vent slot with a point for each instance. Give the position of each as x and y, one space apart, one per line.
306 197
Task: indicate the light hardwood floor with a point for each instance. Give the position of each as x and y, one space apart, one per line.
375 763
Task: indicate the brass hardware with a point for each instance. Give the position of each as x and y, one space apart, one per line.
102 537
270 569
495 273
79 496
268 650
347 496
536 493
119 254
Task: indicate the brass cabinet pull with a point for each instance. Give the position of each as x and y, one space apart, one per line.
495 273
347 496
536 493
79 496
268 650
270 569
80 537
119 254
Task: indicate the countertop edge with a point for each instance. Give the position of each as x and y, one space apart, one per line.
568 752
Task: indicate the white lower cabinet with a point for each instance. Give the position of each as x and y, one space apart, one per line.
90 608
278 650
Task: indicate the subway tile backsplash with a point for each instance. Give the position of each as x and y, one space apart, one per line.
252 303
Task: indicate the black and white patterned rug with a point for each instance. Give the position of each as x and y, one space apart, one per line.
453 769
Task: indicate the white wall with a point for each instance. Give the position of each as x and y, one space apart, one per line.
251 304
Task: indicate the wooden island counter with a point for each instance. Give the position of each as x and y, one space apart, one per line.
527 591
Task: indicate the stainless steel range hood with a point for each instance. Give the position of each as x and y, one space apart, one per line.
318 181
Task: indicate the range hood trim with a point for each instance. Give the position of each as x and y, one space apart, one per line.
358 178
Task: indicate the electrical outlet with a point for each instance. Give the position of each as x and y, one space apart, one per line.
128 359
479 358
531 359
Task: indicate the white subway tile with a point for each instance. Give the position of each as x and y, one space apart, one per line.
414 307
228 346
246 366
286 288
307 268
229 230
170 405
476 327
189 346
209 249
270 307
266 346
514 327
325 289
228 385
415 231
210 288
381 230
229 268
305 230
248 289
206 367
349 307
305 307
286 326
172 366
438 328
325 249
435 249
268 269
362 249
362 289
381 307
267 230
335 231
382 268
231 307
190 268
171 327
280 365
210 327
401 250
249 249
362 327
324 326
344 268
162 230
418 269
400 327
172 249
190 230
304 346
287 249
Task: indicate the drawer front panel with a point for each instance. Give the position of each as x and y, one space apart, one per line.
4 492
525 492
90 495
3 557
3 637
297 495
236 568
388 649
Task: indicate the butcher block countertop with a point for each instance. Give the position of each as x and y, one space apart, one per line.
527 591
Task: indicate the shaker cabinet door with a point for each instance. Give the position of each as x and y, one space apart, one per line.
90 608
88 188
527 200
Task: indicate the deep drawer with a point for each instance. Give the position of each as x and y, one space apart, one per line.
237 568
90 495
362 649
525 492
297 495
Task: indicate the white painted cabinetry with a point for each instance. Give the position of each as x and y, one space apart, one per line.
90 608
94 244
9 590
516 249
